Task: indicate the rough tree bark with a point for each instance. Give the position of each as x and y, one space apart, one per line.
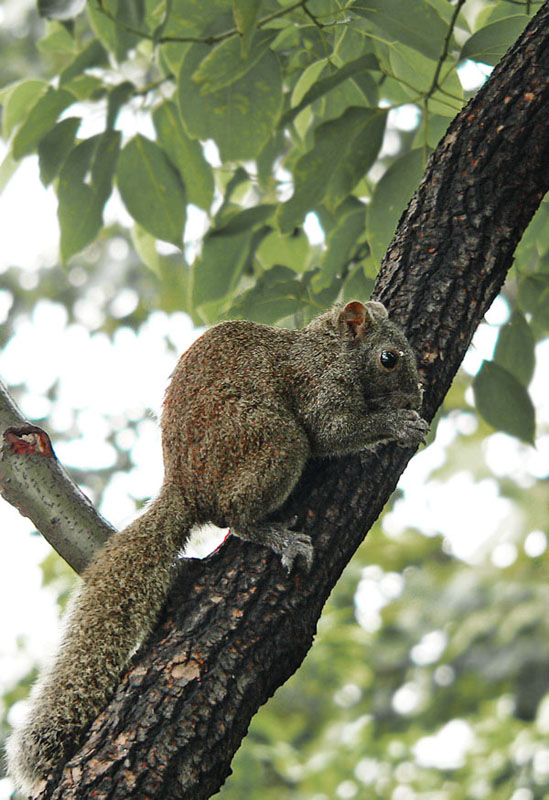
34 481
236 626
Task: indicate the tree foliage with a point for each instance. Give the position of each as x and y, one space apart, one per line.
300 106
227 129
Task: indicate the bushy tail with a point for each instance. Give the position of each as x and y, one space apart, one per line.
121 595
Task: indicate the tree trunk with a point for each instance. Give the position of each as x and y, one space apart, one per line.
236 625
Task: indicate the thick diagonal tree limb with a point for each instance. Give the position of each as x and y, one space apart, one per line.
236 626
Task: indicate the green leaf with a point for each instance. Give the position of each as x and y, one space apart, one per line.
504 402
104 164
8 168
151 189
192 18
171 55
175 284
172 272
353 69
489 44
534 297
308 78
344 150
55 147
85 87
60 9
291 251
359 90
531 288
446 12
225 64
145 245
58 41
391 196
248 219
239 117
94 55
362 150
538 229
416 72
17 99
341 241
496 11
276 294
114 37
238 177
515 350
267 159
185 154
189 17
119 95
245 19
85 183
218 268
357 286
225 211
41 119
419 27
436 128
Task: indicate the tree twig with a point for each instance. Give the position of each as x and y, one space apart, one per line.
213 39
33 480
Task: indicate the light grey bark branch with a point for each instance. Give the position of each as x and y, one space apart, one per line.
33 480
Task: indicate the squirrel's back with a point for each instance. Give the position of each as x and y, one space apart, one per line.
226 394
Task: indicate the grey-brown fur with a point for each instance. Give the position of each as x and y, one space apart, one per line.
246 407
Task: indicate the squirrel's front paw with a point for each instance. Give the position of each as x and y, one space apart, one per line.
411 429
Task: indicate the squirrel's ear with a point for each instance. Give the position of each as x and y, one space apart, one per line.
377 309
353 317
358 317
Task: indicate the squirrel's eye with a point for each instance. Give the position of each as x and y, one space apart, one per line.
388 359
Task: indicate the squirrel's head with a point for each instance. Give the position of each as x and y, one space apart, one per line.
386 362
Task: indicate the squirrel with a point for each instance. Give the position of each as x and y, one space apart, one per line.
246 406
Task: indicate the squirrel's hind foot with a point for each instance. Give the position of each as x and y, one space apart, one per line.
281 539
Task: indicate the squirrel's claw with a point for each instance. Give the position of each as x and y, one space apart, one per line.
279 537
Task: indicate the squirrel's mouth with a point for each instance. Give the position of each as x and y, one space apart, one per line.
394 400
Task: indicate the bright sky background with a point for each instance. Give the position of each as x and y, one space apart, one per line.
471 515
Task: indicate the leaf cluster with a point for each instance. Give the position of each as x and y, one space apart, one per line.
231 131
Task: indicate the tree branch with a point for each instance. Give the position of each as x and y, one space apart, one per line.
33 480
445 46
236 626
158 38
